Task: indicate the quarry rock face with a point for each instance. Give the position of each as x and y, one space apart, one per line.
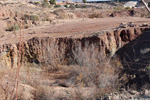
38 49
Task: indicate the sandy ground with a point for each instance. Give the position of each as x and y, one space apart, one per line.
67 28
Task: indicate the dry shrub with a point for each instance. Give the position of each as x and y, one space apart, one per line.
96 15
53 56
25 92
42 93
6 84
47 93
88 69
64 15
81 15
102 77
12 25
93 70
145 86
12 28
30 17
59 93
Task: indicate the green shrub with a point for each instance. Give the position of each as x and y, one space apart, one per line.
36 3
26 17
47 19
14 27
57 6
81 6
148 69
34 17
127 8
84 6
72 6
84 1
45 4
118 8
66 6
52 2
30 17
45 0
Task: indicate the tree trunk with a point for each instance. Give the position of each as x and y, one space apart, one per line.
146 6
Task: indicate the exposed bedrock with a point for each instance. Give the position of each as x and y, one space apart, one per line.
131 42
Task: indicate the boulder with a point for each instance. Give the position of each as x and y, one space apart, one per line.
131 24
145 24
131 4
123 25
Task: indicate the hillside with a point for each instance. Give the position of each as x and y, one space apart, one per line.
73 51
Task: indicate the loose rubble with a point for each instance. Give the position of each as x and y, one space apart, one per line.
129 95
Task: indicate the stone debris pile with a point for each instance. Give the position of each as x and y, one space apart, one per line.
125 25
131 24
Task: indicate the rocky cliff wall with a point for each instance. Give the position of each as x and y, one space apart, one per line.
42 50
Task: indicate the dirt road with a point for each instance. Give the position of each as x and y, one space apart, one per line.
78 27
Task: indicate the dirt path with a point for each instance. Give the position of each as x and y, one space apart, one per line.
78 27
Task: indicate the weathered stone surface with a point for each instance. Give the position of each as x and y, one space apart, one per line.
123 25
127 95
147 92
132 92
131 24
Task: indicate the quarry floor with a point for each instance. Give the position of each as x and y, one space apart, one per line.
73 28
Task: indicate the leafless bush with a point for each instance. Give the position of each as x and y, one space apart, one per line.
47 93
93 71
86 56
145 86
95 15
53 56
61 14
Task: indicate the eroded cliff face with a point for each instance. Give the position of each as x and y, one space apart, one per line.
41 50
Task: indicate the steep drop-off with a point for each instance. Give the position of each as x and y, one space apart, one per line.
42 49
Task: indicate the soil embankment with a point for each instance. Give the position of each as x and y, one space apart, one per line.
105 43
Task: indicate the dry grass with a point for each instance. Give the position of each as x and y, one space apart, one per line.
61 14
96 15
